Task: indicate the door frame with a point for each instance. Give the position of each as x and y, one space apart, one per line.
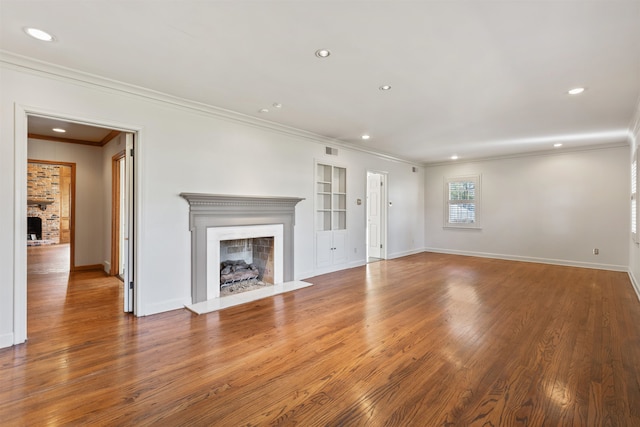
115 212
384 195
72 221
21 114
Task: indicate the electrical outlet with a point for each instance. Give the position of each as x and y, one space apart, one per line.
596 251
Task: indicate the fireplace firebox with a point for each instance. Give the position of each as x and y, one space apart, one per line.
34 228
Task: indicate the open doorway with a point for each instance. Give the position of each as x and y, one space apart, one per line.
24 132
376 233
71 148
51 215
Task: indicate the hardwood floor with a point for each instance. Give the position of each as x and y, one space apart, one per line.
425 340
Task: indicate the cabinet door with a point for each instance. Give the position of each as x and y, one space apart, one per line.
339 247
324 253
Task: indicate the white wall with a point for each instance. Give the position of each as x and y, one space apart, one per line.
89 218
184 148
553 208
634 248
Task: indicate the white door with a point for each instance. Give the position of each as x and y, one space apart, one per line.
128 227
374 221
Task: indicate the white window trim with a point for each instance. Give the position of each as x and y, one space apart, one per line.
477 179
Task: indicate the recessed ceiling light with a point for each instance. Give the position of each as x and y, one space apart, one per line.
59 130
576 91
323 53
454 157
365 137
277 105
263 110
557 145
384 87
39 34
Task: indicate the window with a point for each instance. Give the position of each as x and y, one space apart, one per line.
462 202
634 197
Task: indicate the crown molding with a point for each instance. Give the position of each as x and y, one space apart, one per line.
42 68
552 152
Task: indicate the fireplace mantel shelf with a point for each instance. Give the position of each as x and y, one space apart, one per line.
203 199
41 203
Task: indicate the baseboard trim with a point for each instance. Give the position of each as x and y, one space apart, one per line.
406 253
6 340
635 284
568 263
161 307
304 275
90 267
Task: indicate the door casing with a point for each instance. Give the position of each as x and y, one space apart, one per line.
21 114
382 210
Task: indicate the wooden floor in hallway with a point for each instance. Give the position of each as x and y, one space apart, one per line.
424 340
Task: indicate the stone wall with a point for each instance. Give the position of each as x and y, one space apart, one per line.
263 257
43 183
235 250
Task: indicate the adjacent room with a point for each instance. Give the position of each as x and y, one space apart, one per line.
319 213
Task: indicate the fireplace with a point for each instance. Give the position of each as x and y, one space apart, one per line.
215 218
232 244
34 228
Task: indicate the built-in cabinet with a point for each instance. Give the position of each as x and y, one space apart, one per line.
331 215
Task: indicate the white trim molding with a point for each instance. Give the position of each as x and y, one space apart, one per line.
568 263
635 284
34 66
21 113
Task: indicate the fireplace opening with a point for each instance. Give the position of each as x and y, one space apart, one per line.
34 228
247 264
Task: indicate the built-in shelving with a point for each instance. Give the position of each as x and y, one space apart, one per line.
331 215
331 197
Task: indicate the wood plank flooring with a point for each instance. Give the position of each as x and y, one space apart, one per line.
425 340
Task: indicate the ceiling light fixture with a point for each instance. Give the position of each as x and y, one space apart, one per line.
39 34
277 105
263 110
323 53
557 145
576 91
59 130
365 137
454 157
384 87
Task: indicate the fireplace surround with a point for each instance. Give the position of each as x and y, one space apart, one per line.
207 211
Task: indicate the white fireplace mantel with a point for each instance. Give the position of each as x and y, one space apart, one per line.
217 210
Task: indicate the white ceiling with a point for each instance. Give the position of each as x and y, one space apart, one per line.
472 78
